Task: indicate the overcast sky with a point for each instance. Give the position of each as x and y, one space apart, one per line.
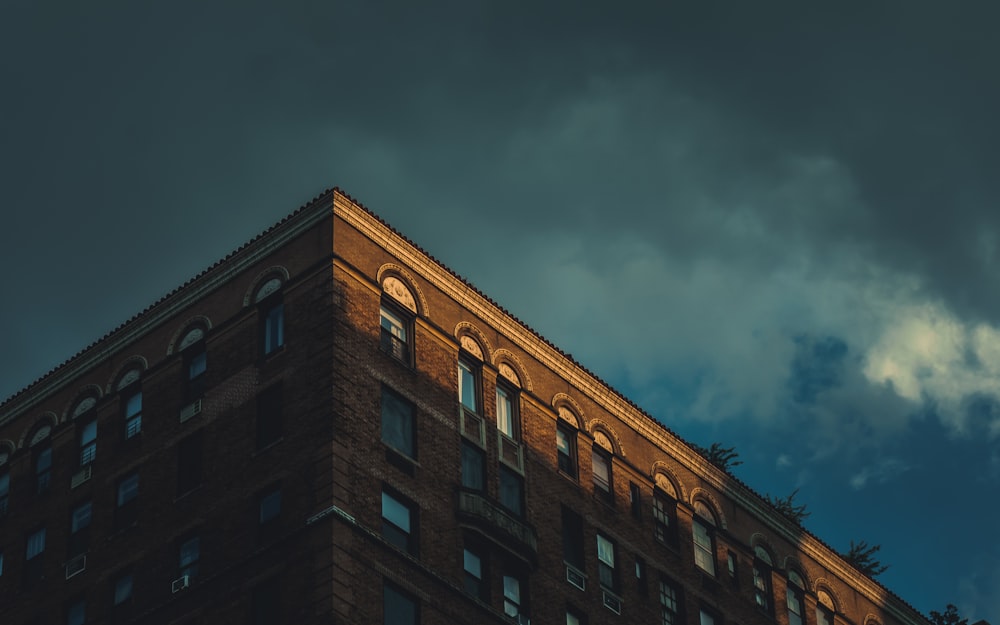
770 224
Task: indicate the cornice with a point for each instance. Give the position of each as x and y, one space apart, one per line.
465 295
200 287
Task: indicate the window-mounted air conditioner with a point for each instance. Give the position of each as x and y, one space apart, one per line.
81 476
76 566
192 409
180 583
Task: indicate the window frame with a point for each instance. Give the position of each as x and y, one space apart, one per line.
510 491
269 420
41 462
607 571
566 461
86 438
269 503
195 355
80 519
472 456
131 414
509 396
704 550
406 423
664 512
4 491
603 490
191 564
403 538
763 587
514 583
671 614
34 558
476 585
271 334
395 320
474 369
794 591
393 592
126 502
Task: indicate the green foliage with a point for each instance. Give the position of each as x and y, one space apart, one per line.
950 617
862 557
723 457
796 513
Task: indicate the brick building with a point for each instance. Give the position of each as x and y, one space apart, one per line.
330 426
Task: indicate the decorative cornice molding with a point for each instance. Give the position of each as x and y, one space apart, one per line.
465 295
134 329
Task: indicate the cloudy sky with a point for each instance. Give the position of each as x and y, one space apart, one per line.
772 225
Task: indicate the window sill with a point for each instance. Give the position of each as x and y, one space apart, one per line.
401 461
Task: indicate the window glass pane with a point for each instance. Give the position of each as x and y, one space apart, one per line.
505 413
89 433
81 517
198 365
44 460
76 613
4 484
467 386
393 324
704 555
36 544
123 589
472 467
706 618
601 474
511 486
562 442
512 589
270 506
572 619
473 565
397 608
605 551
189 552
395 512
128 489
397 422
133 405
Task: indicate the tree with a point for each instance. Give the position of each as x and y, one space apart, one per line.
950 617
787 507
862 557
723 457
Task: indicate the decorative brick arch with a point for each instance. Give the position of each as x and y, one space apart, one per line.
568 410
117 381
180 338
712 502
791 563
261 280
88 392
661 471
391 277
470 338
7 448
508 364
598 427
761 541
824 585
48 419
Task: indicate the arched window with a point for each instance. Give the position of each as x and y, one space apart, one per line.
762 588
703 525
271 309
794 597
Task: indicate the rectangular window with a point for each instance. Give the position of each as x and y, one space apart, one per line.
122 593
266 603
398 429
398 607
475 575
566 449
572 533
394 337
272 328
76 612
664 522
79 529
4 493
34 549
468 386
188 557
190 461
607 573
704 547
793 597
88 441
824 616
268 514
269 407
473 467
511 491
635 501
196 366
670 604
574 618
601 464
762 586
399 525
43 467
706 618
507 413
640 576
132 406
126 510
514 599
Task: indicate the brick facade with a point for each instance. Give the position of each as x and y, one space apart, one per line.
349 425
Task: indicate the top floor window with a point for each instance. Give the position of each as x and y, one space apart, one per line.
566 449
88 441
272 316
43 466
394 338
132 407
762 579
507 418
703 526
196 366
601 465
795 599
468 386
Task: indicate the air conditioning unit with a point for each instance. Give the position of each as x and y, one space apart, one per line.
81 476
192 409
76 566
472 425
180 583
575 577
612 602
